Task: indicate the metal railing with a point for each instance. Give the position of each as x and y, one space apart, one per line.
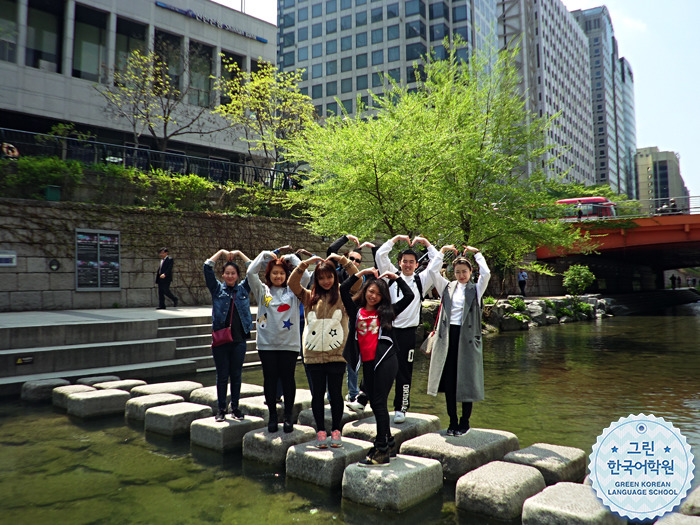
680 205
143 158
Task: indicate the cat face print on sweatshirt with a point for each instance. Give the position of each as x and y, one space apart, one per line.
323 335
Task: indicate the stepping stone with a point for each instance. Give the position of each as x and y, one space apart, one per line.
207 395
556 463
306 417
414 425
97 403
324 467
174 419
136 406
569 503
405 483
674 518
59 395
225 435
123 384
265 447
461 454
691 505
41 389
498 489
255 406
90 381
180 388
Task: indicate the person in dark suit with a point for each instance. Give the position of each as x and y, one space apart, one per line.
164 276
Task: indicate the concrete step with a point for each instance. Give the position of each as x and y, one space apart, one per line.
11 386
184 321
200 350
173 332
58 358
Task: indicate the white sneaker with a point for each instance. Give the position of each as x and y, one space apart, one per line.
355 406
399 417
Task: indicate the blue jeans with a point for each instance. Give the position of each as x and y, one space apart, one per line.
353 389
229 359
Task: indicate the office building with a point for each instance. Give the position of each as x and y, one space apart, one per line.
554 65
345 45
659 179
53 53
612 86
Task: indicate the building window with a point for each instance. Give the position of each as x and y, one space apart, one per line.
439 53
347 105
331 6
392 11
415 29
345 22
415 7
439 10
376 79
394 54
415 51
377 57
130 36
331 67
331 109
303 34
377 35
395 74
361 82
346 85
316 30
346 43
316 70
377 14
361 18
331 88
346 64
331 47
463 33
331 26
288 59
361 39
345 4
438 32
45 37
317 91
316 50
459 13
317 10
393 32
361 61
8 30
303 14
288 20
169 49
288 39
200 66
303 54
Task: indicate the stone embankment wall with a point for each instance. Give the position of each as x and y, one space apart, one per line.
40 232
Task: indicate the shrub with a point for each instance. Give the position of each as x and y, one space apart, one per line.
582 307
549 304
489 300
30 176
563 311
518 303
577 279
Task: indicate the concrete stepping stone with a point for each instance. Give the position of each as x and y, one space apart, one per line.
271 448
223 436
415 425
569 503
59 395
136 406
255 406
207 395
41 389
306 417
461 454
405 483
180 388
97 403
122 384
673 518
324 467
498 489
90 381
691 505
174 419
556 463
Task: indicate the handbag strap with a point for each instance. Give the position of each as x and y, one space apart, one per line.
437 317
230 310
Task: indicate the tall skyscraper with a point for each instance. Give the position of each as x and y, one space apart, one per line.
628 145
554 65
344 45
659 178
612 99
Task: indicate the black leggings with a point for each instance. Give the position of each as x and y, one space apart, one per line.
448 382
377 384
405 341
279 365
331 374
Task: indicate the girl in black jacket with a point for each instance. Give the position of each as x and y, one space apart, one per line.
370 341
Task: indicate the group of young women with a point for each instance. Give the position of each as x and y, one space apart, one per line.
348 324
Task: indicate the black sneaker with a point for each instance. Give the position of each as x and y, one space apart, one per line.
462 428
175 301
376 458
237 414
288 426
220 416
451 430
272 424
393 449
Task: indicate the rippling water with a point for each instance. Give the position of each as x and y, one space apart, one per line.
562 384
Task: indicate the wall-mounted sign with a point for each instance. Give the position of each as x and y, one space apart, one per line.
97 260
191 14
8 258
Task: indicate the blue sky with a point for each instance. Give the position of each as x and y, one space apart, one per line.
660 41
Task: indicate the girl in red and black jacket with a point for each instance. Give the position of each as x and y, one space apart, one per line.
371 342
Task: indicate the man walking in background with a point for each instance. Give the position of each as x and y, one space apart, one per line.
164 276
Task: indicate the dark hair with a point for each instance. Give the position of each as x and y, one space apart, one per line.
163 250
317 292
277 262
462 260
231 263
407 251
385 310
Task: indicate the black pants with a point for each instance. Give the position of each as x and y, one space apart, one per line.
405 341
448 382
229 359
377 385
330 374
163 292
522 287
279 365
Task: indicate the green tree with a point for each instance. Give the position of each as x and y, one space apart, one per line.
577 279
444 161
269 109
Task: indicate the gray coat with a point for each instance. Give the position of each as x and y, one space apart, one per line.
470 360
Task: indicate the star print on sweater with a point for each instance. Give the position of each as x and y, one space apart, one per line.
287 324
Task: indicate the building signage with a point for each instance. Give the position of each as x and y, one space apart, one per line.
8 258
191 14
97 264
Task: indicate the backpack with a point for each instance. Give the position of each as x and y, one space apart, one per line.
419 285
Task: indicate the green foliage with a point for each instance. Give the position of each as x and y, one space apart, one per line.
174 191
28 177
519 317
564 311
489 300
549 304
577 279
559 189
583 308
443 161
518 303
